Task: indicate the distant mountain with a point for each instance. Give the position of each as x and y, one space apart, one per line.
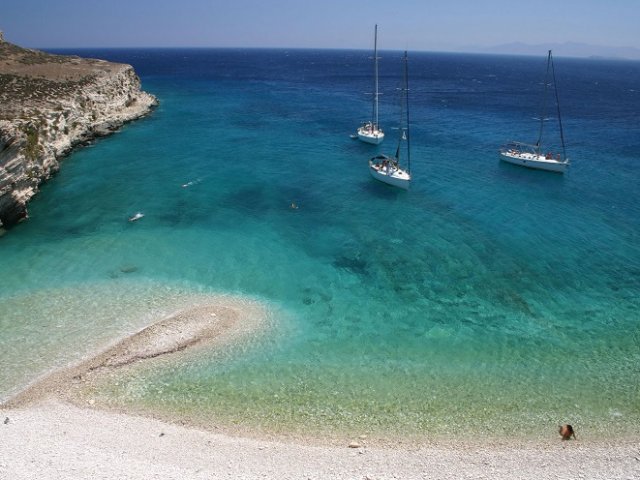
567 49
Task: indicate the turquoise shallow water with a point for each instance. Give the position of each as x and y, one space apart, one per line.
485 296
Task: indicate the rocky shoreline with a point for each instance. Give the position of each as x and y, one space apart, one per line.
50 104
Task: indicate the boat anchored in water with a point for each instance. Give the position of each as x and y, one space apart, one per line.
389 169
370 132
532 156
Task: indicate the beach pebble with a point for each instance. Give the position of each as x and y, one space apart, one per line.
354 445
6 420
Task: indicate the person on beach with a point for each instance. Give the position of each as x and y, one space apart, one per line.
566 432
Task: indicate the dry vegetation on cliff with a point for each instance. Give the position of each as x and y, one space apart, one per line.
31 80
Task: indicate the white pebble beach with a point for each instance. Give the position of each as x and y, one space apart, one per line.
55 440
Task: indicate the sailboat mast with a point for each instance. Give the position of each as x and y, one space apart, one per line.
404 114
375 78
553 72
544 105
406 99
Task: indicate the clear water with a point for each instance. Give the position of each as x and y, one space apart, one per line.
488 295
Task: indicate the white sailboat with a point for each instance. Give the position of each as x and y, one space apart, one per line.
532 156
370 132
389 169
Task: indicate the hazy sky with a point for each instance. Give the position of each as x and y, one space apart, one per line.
436 25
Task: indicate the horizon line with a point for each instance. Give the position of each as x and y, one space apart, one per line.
345 49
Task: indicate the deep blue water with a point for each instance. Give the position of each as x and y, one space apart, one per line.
487 294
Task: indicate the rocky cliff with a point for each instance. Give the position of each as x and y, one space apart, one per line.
48 105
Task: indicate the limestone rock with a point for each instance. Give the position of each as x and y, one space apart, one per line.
49 104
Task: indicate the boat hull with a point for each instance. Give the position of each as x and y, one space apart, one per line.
368 135
390 175
535 161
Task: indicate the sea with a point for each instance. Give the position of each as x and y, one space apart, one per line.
487 300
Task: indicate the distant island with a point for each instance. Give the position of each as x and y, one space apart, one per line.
48 105
567 49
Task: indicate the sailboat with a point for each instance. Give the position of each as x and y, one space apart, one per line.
389 169
532 156
370 132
